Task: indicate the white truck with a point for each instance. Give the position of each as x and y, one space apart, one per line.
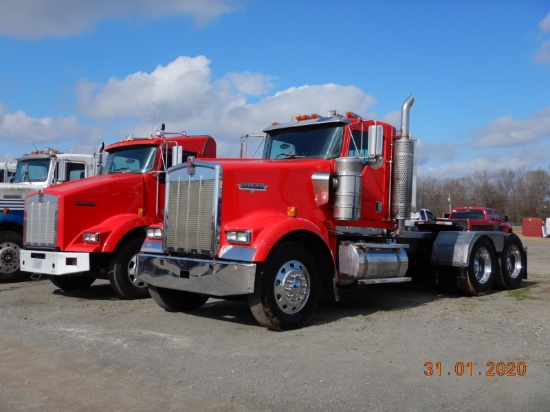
7 171
34 171
423 215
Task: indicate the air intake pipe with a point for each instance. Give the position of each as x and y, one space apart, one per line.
403 171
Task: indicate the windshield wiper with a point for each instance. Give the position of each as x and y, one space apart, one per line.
289 156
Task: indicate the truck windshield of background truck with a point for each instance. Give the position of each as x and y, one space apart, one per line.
318 142
468 214
35 170
130 160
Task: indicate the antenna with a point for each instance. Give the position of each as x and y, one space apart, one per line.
154 116
35 148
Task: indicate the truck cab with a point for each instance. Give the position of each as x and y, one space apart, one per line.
81 231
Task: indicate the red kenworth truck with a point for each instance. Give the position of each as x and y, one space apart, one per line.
324 209
92 228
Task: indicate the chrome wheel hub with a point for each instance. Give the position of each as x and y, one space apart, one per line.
292 287
132 273
482 265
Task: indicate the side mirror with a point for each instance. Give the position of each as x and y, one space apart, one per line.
59 173
177 155
506 218
376 139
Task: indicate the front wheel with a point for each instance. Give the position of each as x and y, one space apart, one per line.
72 282
176 300
513 264
10 245
287 288
482 268
122 274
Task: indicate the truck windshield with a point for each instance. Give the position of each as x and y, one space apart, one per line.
32 170
468 214
318 141
130 160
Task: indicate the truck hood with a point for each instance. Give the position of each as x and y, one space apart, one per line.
89 202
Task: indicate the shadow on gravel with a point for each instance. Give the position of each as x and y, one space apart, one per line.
93 292
353 302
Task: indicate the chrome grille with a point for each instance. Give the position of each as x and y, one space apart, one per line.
191 216
40 225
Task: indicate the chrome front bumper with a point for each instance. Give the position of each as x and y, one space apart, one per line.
208 277
53 263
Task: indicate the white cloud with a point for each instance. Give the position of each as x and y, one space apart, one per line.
507 131
59 18
61 133
544 25
542 55
188 99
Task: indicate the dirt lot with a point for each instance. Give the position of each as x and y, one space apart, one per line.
89 351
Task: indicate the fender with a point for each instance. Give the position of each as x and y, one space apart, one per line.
111 232
12 217
266 237
453 248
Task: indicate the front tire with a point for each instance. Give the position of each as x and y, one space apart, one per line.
287 288
481 271
513 264
72 282
123 276
177 300
10 245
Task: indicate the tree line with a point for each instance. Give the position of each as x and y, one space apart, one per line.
514 193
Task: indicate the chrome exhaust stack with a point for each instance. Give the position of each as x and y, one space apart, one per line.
403 171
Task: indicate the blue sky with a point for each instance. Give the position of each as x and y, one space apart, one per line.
75 73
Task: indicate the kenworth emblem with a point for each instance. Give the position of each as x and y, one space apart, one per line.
252 186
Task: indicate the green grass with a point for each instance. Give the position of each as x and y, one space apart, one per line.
523 293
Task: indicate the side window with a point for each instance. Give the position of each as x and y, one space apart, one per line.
75 171
429 215
498 218
358 147
491 215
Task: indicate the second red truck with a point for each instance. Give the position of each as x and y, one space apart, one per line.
92 228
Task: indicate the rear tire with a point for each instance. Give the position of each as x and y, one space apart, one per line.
72 282
481 271
287 288
10 245
122 275
176 300
513 263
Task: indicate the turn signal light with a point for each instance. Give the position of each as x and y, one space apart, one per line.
291 211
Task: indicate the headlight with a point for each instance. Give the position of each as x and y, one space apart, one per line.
242 237
91 237
153 232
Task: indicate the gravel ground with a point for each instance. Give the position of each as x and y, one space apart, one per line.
89 351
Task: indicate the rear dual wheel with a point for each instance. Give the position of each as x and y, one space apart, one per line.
482 268
513 264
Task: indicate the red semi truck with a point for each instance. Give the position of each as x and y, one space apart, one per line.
324 209
92 228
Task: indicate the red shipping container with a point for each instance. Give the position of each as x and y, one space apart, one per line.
532 226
